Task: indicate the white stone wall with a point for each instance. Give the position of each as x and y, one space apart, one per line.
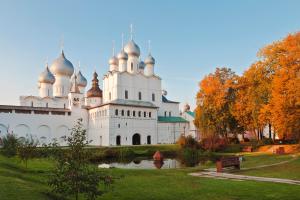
104 122
33 101
169 109
169 133
44 127
115 84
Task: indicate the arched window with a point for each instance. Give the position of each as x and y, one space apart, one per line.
148 139
126 94
131 66
116 112
32 104
128 113
109 96
149 114
64 106
140 113
170 114
46 105
140 95
145 114
122 112
165 113
133 113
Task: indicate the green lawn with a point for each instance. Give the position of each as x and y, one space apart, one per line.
290 170
19 183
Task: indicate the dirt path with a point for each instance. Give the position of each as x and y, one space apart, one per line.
217 175
211 173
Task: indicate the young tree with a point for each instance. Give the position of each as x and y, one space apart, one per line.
73 175
27 148
10 145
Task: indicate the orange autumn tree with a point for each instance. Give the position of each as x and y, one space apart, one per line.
215 99
284 57
253 91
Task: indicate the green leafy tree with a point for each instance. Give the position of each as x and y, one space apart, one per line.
73 175
10 145
27 148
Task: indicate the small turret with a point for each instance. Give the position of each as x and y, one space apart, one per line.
94 95
46 81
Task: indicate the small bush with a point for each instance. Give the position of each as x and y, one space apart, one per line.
10 145
188 142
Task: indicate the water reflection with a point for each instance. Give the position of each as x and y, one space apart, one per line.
168 163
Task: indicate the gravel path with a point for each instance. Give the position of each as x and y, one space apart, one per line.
217 175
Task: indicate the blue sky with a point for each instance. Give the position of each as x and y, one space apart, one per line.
189 39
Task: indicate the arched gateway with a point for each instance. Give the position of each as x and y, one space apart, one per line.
136 139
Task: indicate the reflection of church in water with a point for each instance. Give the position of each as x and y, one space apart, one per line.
131 108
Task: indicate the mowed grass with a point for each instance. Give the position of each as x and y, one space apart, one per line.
16 182
290 170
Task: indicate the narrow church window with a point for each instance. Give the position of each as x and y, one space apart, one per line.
140 96
150 114
131 66
109 96
48 92
128 113
140 113
122 112
148 139
126 94
64 106
170 114
133 113
32 104
46 105
145 114
165 113
116 112
119 126
153 97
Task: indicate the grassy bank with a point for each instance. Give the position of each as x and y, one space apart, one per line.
16 182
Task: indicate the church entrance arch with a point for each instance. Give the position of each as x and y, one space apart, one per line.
136 139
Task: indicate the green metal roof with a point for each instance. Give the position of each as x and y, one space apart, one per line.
191 113
171 119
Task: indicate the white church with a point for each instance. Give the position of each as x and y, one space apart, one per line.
131 109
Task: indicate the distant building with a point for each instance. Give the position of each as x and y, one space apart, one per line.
189 115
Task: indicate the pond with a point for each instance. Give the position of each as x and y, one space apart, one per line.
144 163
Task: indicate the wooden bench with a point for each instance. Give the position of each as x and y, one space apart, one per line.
224 162
248 149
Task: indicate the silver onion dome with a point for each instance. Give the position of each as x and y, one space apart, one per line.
150 60
141 65
81 80
62 66
46 76
122 55
113 61
131 48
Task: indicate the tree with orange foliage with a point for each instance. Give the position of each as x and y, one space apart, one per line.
284 57
253 92
215 99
